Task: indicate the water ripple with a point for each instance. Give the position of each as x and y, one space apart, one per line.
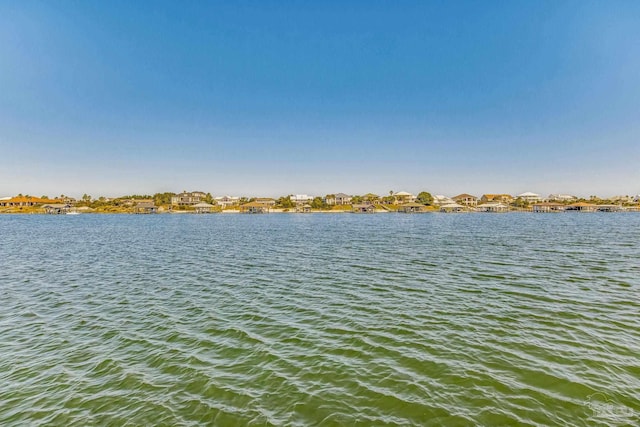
320 320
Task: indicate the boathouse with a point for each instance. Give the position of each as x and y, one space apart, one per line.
363 208
56 208
451 208
145 208
581 207
254 208
492 207
306 208
203 208
546 207
609 208
412 208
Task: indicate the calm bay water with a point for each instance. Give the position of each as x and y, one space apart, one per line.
320 319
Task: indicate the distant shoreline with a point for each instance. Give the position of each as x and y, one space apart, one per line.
290 212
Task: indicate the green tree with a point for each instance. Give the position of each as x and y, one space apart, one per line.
208 199
425 198
389 200
371 198
319 203
160 199
285 202
520 203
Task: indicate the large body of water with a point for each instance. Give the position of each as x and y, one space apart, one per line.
320 319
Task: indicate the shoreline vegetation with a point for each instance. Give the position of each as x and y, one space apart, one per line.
204 203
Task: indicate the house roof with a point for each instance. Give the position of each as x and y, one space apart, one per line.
528 194
464 196
492 205
342 195
202 205
403 193
581 204
29 199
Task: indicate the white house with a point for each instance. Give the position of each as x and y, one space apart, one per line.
226 201
404 197
561 198
440 200
338 199
529 197
492 207
188 198
301 198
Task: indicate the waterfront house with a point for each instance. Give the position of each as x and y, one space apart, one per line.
466 200
56 208
496 198
202 208
529 197
145 207
188 198
25 201
226 201
412 208
451 208
581 207
69 200
363 208
546 207
267 201
338 199
306 208
492 207
561 198
440 200
301 199
404 197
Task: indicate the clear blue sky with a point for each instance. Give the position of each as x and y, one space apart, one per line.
277 97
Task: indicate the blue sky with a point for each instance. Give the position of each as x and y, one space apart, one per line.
278 97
